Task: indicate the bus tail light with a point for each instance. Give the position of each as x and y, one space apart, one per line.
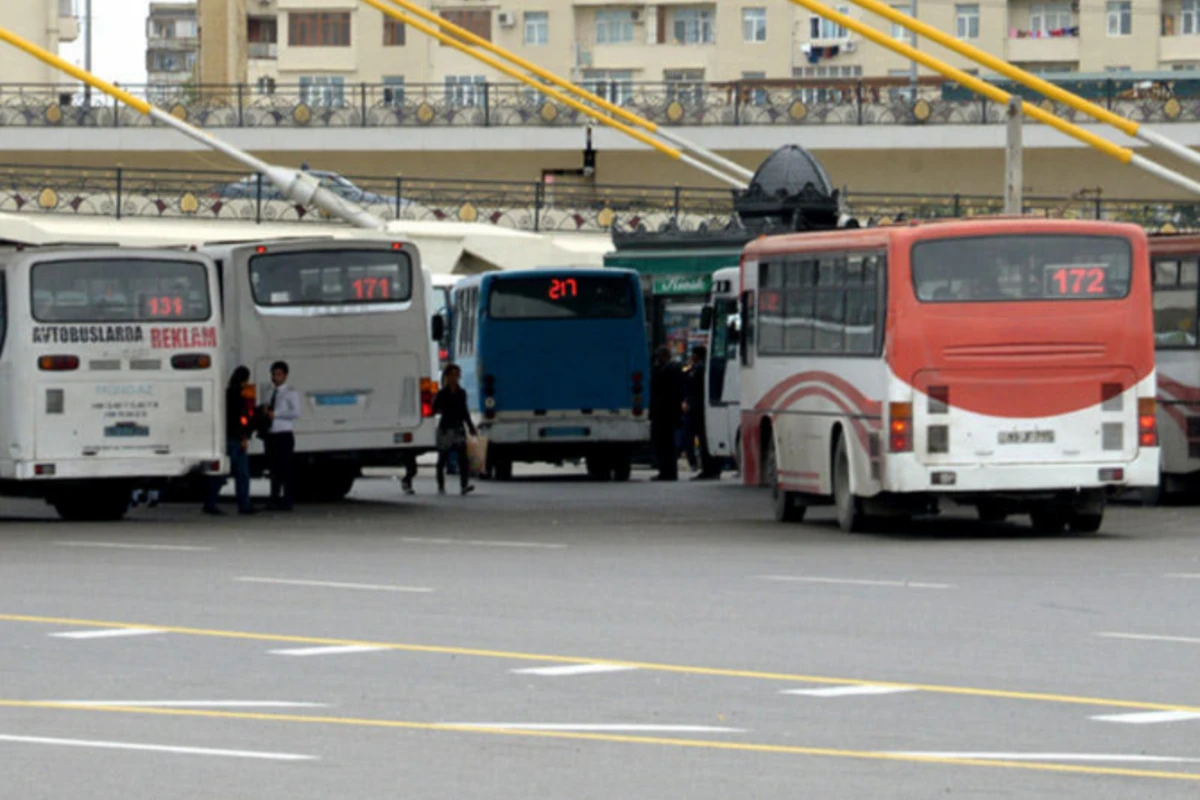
1147 422
638 397
58 363
900 439
191 361
428 392
1112 474
44 470
489 396
212 467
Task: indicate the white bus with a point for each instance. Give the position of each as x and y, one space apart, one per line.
1006 364
1175 261
351 318
111 375
723 396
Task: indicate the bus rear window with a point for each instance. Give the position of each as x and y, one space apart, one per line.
991 269
120 290
562 297
331 277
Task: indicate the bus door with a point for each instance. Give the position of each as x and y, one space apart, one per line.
723 397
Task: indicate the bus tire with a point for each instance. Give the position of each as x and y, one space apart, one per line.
502 469
786 505
850 516
737 451
1049 520
109 505
314 486
622 467
599 467
991 512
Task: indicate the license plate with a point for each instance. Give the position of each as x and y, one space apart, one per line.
549 433
126 429
337 399
1026 437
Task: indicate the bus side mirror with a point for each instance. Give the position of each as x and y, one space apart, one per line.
706 318
439 327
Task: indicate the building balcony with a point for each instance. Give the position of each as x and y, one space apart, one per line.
185 44
1043 49
1179 48
264 51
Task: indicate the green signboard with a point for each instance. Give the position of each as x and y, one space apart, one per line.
682 284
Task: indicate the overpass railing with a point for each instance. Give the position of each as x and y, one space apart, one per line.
846 101
523 205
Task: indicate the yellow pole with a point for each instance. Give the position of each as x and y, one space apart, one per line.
554 93
546 75
1126 126
1122 154
74 71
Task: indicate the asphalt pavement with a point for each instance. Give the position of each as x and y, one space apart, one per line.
552 637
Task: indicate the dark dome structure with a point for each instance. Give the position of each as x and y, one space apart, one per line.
788 171
790 190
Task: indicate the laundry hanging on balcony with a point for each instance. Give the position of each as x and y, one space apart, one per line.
814 53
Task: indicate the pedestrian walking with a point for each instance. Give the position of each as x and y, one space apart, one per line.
666 411
283 410
694 427
239 412
454 421
410 472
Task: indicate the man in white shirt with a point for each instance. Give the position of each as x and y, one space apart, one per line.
283 410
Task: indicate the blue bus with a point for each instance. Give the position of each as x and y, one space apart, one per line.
557 366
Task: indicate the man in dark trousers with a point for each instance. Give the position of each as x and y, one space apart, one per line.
666 412
695 387
283 410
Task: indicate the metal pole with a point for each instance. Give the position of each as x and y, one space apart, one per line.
87 51
916 82
1013 158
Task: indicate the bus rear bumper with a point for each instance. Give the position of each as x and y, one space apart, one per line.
164 467
951 479
573 431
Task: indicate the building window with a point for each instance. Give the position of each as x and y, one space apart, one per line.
757 96
476 20
327 91
393 90
1120 18
821 28
685 85
614 26
898 30
968 20
1187 67
319 29
1123 68
266 85
1190 18
754 24
465 90
826 304
394 33
694 25
615 86
1046 17
537 28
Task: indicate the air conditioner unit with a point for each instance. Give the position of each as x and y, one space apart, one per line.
636 14
849 46
507 19
585 58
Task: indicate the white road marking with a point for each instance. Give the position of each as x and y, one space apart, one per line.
107 633
372 587
484 543
1149 717
573 669
1144 637
328 651
1053 757
517 726
131 546
187 703
848 691
854 582
157 748
1191 576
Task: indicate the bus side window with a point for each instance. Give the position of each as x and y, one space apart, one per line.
746 341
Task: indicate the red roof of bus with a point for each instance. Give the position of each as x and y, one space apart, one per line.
855 238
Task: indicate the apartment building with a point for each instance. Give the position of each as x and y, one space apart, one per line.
328 46
172 44
47 23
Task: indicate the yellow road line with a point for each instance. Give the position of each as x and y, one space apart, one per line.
967 691
660 741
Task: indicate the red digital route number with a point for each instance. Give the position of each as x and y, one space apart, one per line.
164 306
562 288
372 288
1068 281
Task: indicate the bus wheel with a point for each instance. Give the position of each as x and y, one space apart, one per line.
737 451
325 486
502 469
786 504
991 512
850 515
1048 520
108 505
599 467
622 467
1087 514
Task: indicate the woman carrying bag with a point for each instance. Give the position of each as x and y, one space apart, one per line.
453 424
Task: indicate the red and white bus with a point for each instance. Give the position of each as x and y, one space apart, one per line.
1175 261
1004 363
